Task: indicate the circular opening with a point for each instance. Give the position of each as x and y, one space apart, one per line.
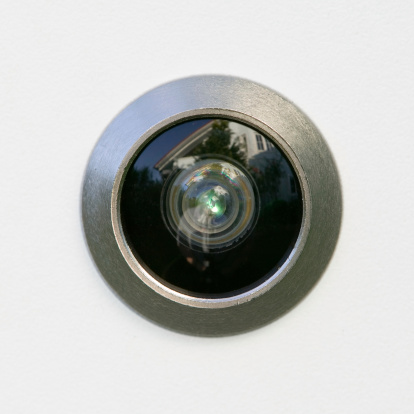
211 208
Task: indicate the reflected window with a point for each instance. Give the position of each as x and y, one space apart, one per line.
269 145
259 141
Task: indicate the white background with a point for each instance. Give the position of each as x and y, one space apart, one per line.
68 344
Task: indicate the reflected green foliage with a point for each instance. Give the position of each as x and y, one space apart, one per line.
142 208
268 178
219 142
142 178
143 193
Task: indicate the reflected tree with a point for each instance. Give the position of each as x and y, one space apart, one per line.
219 142
140 207
268 177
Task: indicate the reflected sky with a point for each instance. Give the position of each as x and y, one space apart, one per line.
165 143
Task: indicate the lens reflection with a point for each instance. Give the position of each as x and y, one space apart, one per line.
211 204
211 207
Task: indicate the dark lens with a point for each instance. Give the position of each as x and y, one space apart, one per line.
211 207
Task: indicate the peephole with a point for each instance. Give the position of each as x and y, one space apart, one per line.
211 205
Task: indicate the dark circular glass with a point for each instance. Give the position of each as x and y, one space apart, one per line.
211 207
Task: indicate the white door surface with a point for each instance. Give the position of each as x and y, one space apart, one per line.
68 344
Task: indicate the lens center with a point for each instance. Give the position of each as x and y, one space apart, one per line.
212 203
207 205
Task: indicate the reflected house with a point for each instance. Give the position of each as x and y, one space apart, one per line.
178 156
263 159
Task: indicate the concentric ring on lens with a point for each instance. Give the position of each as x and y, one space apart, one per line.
213 204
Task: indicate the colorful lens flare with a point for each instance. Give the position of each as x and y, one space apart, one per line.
210 205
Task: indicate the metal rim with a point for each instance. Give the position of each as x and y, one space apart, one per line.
263 110
145 274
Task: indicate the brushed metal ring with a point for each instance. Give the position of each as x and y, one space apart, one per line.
239 100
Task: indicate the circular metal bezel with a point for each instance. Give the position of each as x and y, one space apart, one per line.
241 101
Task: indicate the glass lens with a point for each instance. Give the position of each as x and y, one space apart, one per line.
211 207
